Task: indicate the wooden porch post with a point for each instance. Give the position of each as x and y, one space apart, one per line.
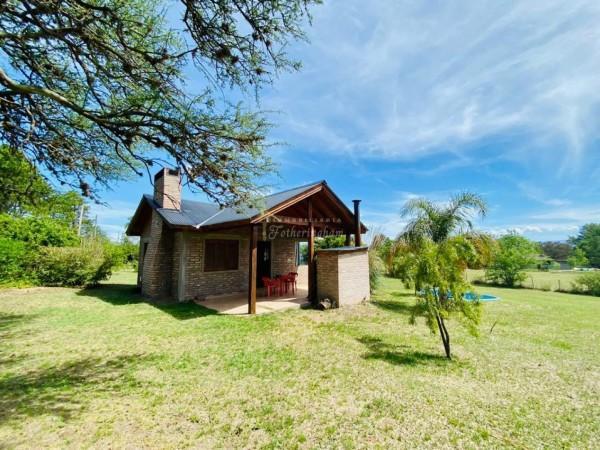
357 230
311 255
252 270
348 241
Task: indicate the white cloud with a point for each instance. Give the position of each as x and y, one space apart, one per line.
533 229
119 210
578 214
402 79
537 193
388 223
112 218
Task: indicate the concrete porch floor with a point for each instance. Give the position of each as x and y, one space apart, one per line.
238 303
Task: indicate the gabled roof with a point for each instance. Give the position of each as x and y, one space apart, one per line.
200 215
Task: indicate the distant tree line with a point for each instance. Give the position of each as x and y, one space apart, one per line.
505 258
582 250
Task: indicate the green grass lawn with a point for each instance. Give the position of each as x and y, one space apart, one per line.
102 368
549 281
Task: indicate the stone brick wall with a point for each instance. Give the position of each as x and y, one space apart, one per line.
157 264
198 284
327 276
343 275
179 255
144 239
283 256
173 267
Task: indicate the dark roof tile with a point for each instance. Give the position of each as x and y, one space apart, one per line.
196 214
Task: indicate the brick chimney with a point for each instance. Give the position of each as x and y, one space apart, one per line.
167 188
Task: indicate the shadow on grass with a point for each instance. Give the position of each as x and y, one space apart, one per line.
10 329
185 311
127 294
395 306
65 390
8 321
398 354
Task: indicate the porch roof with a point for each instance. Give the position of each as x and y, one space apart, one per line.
209 216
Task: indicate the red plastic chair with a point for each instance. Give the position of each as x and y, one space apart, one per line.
292 278
271 286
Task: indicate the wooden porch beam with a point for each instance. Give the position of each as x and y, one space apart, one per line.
323 210
252 270
303 224
347 215
287 203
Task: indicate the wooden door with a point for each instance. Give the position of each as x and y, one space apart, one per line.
263 260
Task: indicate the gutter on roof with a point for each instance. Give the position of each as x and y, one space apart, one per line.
206 220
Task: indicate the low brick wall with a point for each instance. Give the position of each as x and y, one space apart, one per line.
343 275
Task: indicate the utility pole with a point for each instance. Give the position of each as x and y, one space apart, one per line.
81 212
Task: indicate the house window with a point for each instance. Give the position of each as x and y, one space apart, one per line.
221 254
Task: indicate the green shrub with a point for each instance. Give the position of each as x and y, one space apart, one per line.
37 231
376 270
376 265
125 253
73 266
588 284
403 267
514 254
14 256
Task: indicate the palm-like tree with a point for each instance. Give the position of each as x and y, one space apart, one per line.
440 221
431 233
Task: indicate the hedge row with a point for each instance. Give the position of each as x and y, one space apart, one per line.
83 265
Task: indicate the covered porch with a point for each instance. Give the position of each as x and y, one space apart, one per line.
237 304
311 212
316 212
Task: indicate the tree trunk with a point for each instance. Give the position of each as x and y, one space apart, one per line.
444 334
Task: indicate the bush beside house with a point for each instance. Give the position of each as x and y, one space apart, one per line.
85 265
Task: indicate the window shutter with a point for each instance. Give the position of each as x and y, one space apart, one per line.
221 254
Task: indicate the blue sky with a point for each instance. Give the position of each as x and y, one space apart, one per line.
398 99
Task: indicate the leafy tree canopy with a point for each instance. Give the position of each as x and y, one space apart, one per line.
24 191
92 89
37 231
558 251
578 258
588 240
515 253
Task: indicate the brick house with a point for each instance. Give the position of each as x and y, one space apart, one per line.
192 250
